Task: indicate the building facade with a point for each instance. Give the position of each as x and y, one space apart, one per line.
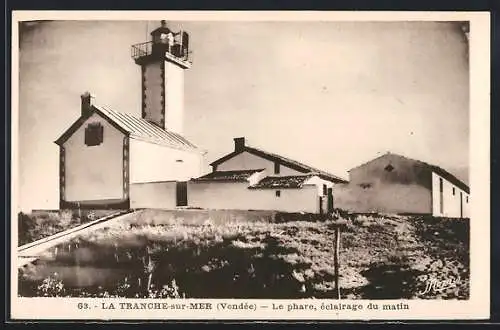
253 179
393 183
110 159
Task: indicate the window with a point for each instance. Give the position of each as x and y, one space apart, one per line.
276 168
324 190
389 168
441 206
278 193
453 191
93 134
467 199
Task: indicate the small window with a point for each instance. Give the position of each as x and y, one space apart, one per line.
93 134
324 190
179 161
467 199
389 168
276 168
278 193
453 191
365 185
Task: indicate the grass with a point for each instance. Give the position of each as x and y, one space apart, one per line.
381 257
40 224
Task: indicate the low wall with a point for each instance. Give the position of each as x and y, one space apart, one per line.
157 195
216 217
237 196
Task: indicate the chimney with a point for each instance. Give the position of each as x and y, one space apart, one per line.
86 103
239 143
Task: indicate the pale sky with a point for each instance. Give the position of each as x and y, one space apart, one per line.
329 94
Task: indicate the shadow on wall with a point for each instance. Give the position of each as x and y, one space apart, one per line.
379 197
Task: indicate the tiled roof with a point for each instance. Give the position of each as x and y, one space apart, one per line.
228 176
143 129
298 166
291 181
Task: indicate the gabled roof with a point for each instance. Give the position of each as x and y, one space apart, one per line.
293 164
137 128
228 176
450 177
438 170
282 182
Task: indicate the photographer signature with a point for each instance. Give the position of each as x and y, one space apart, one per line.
434 285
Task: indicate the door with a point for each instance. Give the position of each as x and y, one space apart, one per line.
330 200
181 193
461 205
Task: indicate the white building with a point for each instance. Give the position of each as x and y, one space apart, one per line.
110 159
393 183
253 179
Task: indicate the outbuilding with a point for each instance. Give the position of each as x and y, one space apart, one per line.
250 178
393 183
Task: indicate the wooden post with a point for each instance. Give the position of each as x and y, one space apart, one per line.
336 259
79 212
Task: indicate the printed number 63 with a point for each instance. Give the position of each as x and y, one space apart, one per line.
83 306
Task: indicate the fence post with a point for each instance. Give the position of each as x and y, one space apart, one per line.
336 260
338 224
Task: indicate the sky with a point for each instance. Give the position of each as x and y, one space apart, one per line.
329 94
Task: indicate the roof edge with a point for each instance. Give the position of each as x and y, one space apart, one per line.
435 168
271 157
79 122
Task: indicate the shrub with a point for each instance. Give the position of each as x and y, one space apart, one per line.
65 218
51 286
25 226
167 291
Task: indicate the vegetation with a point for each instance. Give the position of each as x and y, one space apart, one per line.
381 257
39 224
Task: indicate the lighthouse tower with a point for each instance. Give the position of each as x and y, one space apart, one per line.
163 60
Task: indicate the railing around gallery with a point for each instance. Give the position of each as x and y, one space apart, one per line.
146 49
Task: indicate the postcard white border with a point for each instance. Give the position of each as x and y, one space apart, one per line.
477 307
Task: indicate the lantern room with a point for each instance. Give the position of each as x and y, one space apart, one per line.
165 44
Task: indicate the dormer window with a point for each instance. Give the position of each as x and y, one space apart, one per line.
94 134
389 168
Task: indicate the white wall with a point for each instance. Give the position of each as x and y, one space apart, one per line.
248 161
318 182
94 173
451 203
151 162
174 97
383 197
157 195
153 86
237 196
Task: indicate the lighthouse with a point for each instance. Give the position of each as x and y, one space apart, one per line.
163 60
